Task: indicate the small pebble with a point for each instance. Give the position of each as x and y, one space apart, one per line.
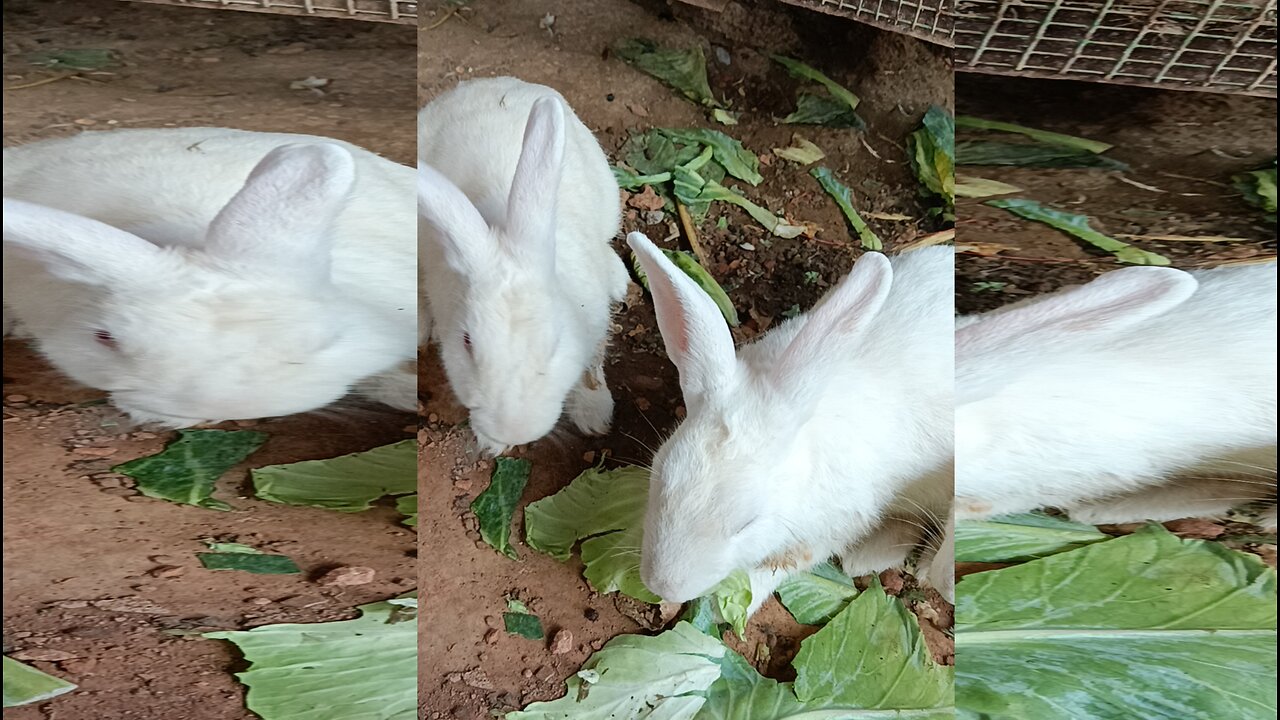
347 576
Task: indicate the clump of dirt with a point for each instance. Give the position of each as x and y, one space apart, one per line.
473 669
102 586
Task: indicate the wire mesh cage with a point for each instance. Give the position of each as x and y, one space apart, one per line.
928 20
1209 45
395 11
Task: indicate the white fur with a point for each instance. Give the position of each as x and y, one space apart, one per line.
518 208
829 435
1092 398
241 274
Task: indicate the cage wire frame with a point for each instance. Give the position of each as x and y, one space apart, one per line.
1226 46
404 12
928 20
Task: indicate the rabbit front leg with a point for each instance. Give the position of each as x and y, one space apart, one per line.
397 387
590 402
886 548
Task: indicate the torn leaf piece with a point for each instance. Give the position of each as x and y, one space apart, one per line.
844 199
995 152
186 470
1259 189
361 668
348 483
699 275
682 70
932 150
495 506
801 151
1017 538
24 684
238 556
407 505
817 596
519 621
1044 136
1078 226
836 109
976 187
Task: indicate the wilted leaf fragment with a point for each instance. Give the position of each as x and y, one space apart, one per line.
362 669
933 158
75 59
348 483
519 621
186 470
817 596
995 152
24 684
733 597
495 506
1259 189
683 70
1145 626
1044 136
801 151
833 110
699 275
735 158
844 199
407 505
256 562
1016 538
1078 226
976 187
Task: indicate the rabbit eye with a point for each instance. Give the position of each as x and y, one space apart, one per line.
105 339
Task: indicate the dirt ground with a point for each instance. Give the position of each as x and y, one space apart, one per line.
83 552
467 668
1184 146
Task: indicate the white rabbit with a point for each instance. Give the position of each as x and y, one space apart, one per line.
519 207
206 274
829 435
1087 398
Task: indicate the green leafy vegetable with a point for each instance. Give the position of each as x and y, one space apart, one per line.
801 151
186 470
844 199
348 483
1050 138
407 505
82 59
724 117
699 275
1020 537
256 563
1078 226
976 187
933 158
519 621
733 597
737 160
993 152
1143 626
833 110
1259 189
694 190
494 507
219 547
654 152
816 596
871 655
683 70
347 670
24 684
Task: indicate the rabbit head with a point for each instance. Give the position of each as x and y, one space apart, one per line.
248 325
508 343
733 486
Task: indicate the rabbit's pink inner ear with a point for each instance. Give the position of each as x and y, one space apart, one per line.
693 330
283 216
531 203
832 328
1116 301
76 248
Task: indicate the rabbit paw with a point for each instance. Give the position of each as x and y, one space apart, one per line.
591 404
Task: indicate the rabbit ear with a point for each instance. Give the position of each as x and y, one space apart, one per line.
531 204
283 217
77 248
1115 302
457 224
838 320
696 336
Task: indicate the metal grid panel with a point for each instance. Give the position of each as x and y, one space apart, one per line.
1213 45
396 11
929 20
